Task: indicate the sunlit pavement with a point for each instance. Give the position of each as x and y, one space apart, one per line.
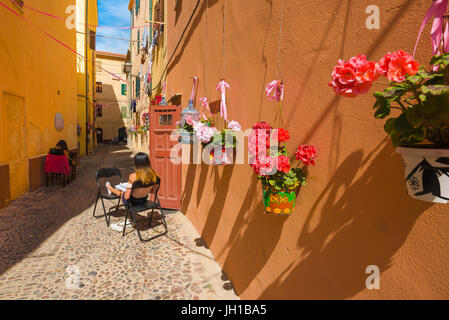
53 248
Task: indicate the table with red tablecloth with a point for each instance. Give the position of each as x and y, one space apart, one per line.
57 164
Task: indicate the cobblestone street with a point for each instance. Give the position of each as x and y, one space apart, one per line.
48 236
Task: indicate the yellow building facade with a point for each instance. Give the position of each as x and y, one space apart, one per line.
37 86
85 68
112 108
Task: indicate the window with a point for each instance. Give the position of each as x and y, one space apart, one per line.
99 87
137 7
99 110
137 87
124 89
166 120
138 41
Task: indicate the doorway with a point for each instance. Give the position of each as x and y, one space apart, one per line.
162 122
99 133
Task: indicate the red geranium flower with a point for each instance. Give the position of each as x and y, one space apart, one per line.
353 77
307 154
395 66
283 164
283 135
262 125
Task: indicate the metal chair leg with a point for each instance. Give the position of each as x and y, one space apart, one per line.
164 223
95 207
104 210
126 220
151 217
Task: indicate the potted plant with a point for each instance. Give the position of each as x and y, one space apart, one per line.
280 181
185 130
212 138
416 103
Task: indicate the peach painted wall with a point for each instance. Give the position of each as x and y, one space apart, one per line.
354 211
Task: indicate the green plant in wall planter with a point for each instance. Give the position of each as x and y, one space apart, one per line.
416 106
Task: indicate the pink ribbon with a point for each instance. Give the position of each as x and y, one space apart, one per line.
223 85
437 9
205 104
275 90
195 82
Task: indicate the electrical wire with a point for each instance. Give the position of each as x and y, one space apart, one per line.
63 19
279 45
108 37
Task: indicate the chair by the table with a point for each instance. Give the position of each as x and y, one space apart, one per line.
133 209
74 156
56 167
106 173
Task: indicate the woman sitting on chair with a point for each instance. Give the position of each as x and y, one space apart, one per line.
61 149
145 175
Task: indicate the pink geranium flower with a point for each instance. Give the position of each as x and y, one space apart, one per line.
395 66
354 77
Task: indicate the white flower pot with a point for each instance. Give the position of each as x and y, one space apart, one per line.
426 173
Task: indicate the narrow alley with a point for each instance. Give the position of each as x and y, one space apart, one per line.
50 234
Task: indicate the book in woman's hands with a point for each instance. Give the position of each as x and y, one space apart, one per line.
123 186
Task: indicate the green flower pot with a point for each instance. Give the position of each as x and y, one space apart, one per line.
279 202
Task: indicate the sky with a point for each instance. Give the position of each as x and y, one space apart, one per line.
113 13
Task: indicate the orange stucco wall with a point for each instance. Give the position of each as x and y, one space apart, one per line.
354 211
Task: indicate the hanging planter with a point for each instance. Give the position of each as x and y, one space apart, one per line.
420 126
188 116
271 162
278 202
421 99
426 173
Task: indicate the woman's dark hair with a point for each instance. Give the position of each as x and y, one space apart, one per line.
144 171
63 145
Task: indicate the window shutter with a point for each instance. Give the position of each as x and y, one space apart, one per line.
137 87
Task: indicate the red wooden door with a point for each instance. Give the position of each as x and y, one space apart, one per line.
163 122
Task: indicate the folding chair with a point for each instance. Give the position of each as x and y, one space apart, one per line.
133 209
106 173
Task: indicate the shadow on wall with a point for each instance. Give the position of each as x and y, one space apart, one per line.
364 226
251 249
221 189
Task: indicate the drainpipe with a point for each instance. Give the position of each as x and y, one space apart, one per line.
87 75
131 71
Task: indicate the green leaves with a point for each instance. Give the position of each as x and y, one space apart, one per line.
423 101
436 89
382 107
440 60
287 181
